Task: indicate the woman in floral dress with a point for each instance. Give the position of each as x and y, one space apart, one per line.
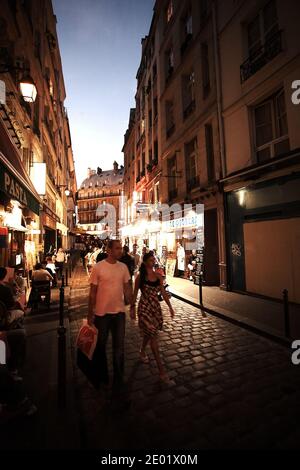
150 316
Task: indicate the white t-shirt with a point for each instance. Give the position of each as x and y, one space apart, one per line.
110 279
52 267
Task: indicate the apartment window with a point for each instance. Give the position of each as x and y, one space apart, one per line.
150 118
169 11
37 45
271 129
169 63
156 193
172 173
262 28
188 94
205 70
143 164
27 4
187 30
203 10
36 117
154 72
264 40
155 108
210 158
191 154
155 153
170 121
27 158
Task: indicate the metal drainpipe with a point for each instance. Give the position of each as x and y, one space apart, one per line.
219 87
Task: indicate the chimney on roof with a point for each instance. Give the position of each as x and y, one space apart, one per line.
90 172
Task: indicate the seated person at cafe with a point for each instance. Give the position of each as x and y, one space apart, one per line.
11 322
41 274
14 311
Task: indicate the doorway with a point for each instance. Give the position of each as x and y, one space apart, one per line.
211 248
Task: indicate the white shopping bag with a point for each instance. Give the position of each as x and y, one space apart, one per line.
87 339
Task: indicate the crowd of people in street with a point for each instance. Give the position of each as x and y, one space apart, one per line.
122 280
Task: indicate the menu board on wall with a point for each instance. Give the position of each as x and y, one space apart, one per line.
170 267
199 265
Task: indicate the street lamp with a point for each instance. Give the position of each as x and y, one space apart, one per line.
67 191
26 84
28 89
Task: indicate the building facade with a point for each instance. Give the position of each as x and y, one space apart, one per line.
260 60
177 153
35 141
227 136
97 192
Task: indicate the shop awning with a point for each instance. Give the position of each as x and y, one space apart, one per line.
16 186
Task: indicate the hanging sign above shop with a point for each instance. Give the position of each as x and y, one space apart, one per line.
15 190
193 220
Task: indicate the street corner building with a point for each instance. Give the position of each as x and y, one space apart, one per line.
100 192
37 174
215 124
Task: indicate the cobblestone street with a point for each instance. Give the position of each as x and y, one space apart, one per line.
230 388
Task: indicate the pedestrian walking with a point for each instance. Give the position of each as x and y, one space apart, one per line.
59 261
128 260
150 316
110 284
136 258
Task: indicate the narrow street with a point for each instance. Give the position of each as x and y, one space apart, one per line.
230 388
155 140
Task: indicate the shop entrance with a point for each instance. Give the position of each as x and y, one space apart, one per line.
50 240
211 252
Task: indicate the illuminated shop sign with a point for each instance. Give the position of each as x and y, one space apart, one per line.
14 189
195 220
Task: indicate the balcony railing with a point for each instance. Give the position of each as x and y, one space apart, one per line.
270 49
192 183
189 109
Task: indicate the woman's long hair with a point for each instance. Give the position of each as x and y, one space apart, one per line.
143 269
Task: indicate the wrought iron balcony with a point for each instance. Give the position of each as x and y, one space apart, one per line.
270 49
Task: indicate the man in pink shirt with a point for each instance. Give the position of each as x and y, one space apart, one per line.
110 282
